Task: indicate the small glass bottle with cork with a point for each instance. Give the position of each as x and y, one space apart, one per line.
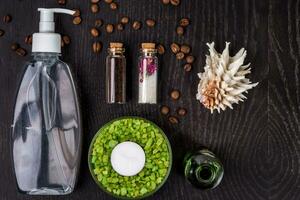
116 74
148 66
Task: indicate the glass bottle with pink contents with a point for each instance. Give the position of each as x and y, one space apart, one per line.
148 68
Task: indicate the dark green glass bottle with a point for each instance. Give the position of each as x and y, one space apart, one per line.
203 169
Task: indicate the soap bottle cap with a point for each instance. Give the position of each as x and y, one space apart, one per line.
47 40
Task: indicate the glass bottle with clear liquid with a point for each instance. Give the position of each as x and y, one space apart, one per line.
46 135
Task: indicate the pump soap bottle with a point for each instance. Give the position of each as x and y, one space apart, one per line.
47 131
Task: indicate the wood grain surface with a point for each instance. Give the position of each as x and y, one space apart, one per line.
258 142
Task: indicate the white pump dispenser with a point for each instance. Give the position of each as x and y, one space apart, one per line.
47 40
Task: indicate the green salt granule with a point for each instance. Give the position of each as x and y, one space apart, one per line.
156 150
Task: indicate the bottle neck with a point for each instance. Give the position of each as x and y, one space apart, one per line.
45 56
116 51
148 52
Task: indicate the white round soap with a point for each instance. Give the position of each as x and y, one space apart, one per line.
128 158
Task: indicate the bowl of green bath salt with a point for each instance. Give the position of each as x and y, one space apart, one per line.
157 158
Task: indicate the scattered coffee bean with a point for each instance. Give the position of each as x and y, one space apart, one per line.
164 110
179 56
187 67
181 111
95 1
175 2
173 120
28 39
2 32
97 47
21 52
124 20
77 20
175 48
165 2
108 1
150 22
98 22
136 25
184 22
180 30
160 49
190 59
7 18
120 27
94 32
109 28
62 43
94 8
61 2
66 39
77 13
14 46
185 49
175 94
113 6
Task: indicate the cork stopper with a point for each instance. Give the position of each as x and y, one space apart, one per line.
116 45
148 45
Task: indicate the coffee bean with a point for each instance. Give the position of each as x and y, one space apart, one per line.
190 59
175 94
28 39
180 30
184 22
175 2
179 56
97 47
62 43
21 52
165 2
94 32
164 110
175 48
120 27
94 8
150 22
2 32
108 1
113 6
181 111
77 20
66 39
173 120
98 22
160 49
14 46
95 1
77 13
136 25
185 49
61 2
7 18
124 20
109 28
187 67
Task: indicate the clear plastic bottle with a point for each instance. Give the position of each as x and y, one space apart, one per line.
148 66
46 135
116 74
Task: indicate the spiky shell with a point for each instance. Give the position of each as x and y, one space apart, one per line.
223 81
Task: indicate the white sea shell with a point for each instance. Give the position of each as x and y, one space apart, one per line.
223 81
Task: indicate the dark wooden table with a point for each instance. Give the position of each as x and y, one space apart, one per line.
258 141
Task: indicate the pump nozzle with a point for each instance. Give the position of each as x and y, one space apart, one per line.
47 24
46 40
